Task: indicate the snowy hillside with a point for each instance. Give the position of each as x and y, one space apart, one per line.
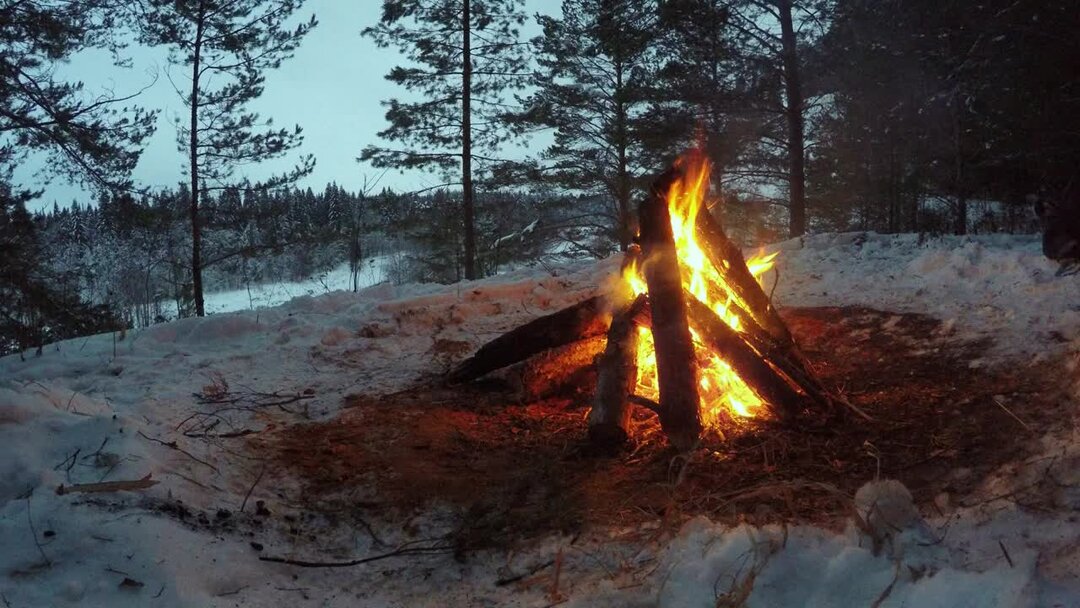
264 295
183 402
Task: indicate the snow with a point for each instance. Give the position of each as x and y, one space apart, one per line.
265 295
107 408
998 286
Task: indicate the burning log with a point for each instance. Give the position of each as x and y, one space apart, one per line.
676 363
609 418
586 319
782 400
728 260
563 371
762 327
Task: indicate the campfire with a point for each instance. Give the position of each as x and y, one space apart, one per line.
687 330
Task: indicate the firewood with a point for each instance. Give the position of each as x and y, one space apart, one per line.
609 418
728 260
586 319
784 401
562 371
108 486
676 364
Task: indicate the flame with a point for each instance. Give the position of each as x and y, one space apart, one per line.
724 395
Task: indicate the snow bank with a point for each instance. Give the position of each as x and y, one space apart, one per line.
107 408
998 286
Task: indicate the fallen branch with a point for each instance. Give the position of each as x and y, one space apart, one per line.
502 582
173 445
108 486
356 562
252 488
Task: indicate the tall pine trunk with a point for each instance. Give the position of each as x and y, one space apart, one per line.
622 185
193 143
961 219
794 113
466 143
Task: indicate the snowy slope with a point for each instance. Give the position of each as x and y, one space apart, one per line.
107 408
265 295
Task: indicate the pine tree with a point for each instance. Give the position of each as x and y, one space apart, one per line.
700 90
93 140
594 62
467 57
227 45
774 35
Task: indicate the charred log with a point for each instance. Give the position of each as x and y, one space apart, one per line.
774 389
676 364
565 371
728 260
609 418
586 319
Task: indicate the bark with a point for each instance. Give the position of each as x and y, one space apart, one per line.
193 151
795 121
583 320
728 260
466 143
564 371
676 364
609 418
783 400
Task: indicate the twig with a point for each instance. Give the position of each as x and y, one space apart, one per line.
1009 412
173 445
252 488
888 590
100 447
357 562
108 486
554 595
1005 552
233 592
33 531
502 582
645 402
69 461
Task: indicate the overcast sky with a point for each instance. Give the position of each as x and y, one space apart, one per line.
332 88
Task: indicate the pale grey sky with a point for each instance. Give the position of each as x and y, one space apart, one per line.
332 88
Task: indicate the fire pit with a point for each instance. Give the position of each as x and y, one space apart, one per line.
690 333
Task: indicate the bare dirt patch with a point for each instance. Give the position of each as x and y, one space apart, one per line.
942 422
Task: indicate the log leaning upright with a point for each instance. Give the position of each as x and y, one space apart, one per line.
676 363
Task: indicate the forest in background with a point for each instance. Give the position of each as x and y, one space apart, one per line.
818 115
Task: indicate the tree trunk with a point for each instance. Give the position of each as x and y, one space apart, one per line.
466 142
794 113
676 363
961 220
622 184
193 150
609 418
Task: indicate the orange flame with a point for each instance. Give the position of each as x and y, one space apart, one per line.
724 395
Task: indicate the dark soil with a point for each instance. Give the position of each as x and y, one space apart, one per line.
517 470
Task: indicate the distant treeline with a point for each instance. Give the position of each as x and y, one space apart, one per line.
131 254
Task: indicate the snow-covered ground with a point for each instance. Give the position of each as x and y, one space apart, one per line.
264 295
108 408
